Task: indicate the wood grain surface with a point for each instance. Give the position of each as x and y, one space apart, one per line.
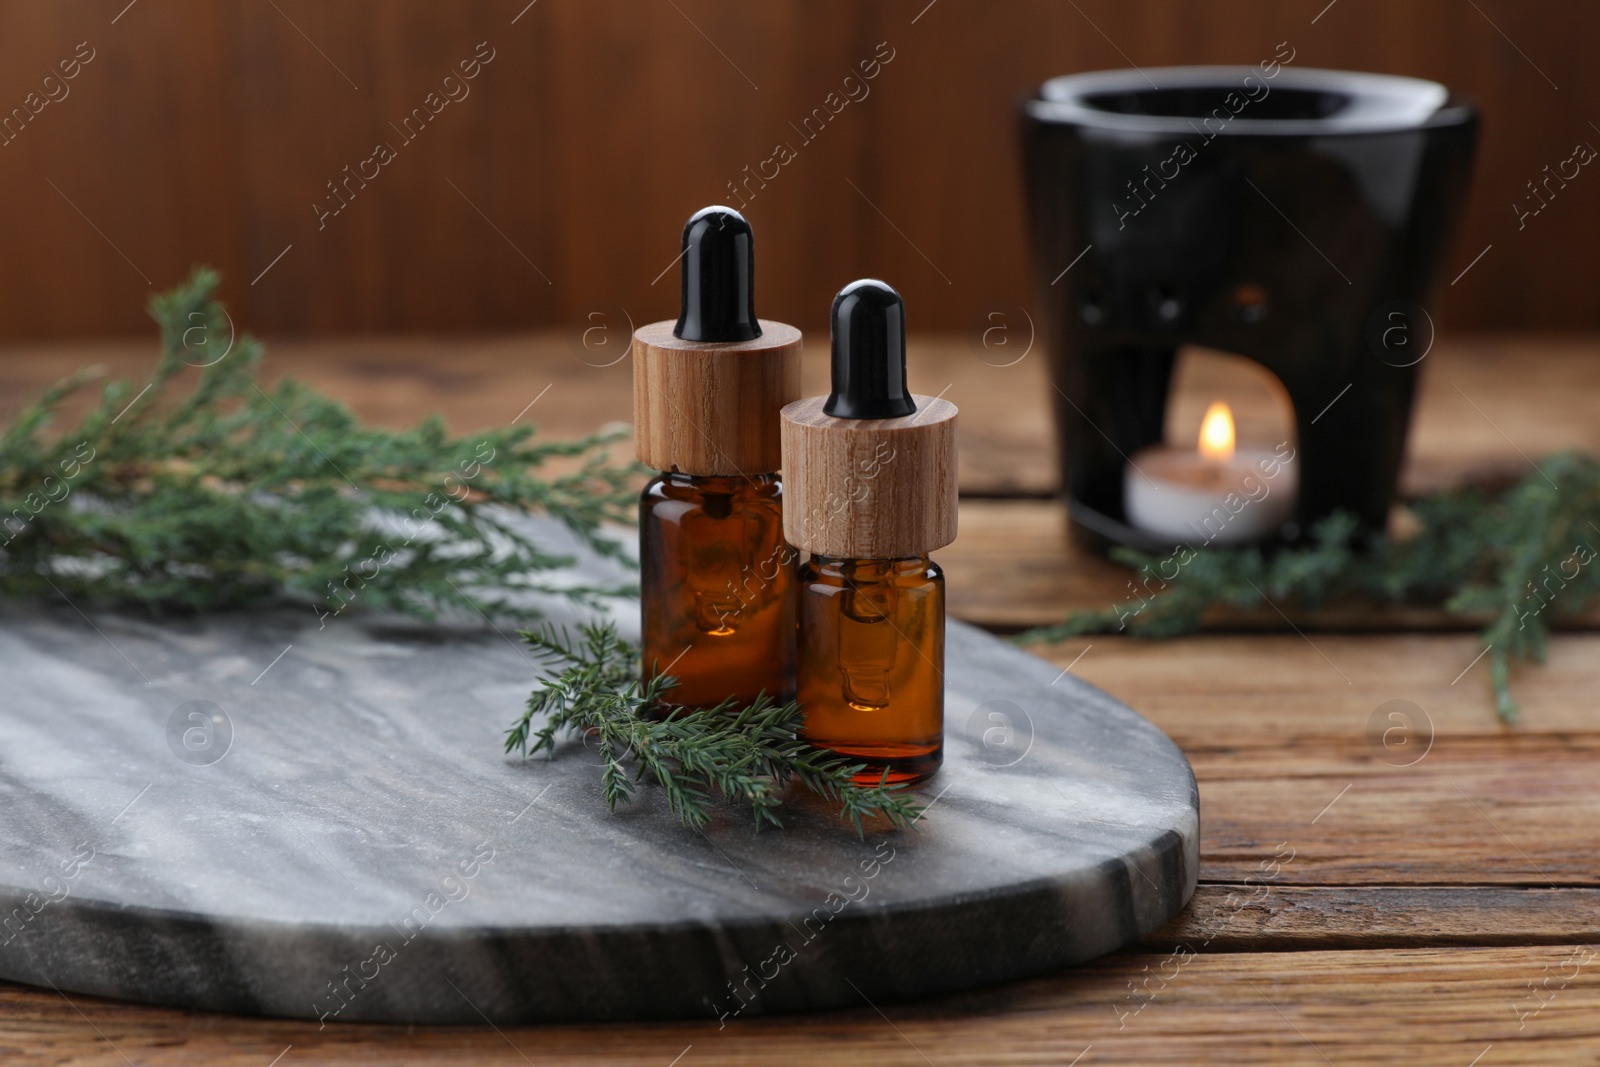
1423 890
219 132
1436 1007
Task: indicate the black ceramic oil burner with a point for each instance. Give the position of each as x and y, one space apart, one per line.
1294 217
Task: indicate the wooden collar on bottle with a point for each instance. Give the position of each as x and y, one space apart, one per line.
712 409
869 488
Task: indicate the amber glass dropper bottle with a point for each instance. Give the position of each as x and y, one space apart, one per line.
716 577
871 492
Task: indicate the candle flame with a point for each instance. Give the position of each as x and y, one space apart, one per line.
1216 433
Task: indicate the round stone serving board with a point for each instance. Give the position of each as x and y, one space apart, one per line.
362 849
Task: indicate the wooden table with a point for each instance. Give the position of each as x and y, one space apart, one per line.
1351 910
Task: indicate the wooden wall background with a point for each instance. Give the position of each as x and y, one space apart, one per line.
204 131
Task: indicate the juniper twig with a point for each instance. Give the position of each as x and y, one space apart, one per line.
746 754
1519 557
239 491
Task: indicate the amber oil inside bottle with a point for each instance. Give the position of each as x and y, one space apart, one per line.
871 678
717 587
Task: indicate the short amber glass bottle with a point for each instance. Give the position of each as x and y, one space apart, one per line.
717 584
869 471
871 676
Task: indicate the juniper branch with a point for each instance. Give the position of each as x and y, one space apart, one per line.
1519 557
744 754
237 492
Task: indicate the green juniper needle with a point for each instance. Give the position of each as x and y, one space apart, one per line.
236 492
745 754
1519 557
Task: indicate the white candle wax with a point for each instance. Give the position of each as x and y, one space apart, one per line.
1196 500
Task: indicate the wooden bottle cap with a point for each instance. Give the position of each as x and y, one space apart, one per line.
712 409
869 488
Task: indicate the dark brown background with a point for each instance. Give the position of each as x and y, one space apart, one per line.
204 131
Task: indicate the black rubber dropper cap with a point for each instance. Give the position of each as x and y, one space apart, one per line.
719 274
869 353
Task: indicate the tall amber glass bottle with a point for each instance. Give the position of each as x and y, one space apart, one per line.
716 577
872 491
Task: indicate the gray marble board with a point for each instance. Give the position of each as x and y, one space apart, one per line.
246 813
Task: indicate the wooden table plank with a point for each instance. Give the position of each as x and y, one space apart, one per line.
1270 916
1519 822
1236 704
1281 735
1423 1007
1014 565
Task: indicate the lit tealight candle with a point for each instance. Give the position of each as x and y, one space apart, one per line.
1217 495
